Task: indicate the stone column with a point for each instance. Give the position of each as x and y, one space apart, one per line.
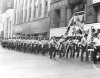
16 16
18 11
21 13
5 29
32 10
14 11
27 10
49 1
63 16
43 8
11 29
8 27
69 15
24 10
37 9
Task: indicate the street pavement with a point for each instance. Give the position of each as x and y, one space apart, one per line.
15 64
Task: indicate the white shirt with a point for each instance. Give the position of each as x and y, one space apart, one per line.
97 42
76 41
84 41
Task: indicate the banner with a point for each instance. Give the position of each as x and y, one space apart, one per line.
95 1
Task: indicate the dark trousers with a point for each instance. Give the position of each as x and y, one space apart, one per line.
76 49
96 51
61 53
84 49
52 52
69 48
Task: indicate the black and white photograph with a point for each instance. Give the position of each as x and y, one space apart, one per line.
49 38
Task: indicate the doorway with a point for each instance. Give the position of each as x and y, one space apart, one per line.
57 18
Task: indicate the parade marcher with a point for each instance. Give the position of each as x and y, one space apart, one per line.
69 47
96 48
52 48
84 43
76 48
62 48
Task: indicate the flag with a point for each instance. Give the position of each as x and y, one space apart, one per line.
77 20
83 20
69 24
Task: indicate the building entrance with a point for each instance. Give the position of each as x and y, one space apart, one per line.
57 18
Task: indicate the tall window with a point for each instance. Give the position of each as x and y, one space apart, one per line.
22 4
21 16
25 14
46 7
40 10
26 11
15 18
15 8
34 9
30 9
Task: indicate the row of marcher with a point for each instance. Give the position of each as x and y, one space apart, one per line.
72 47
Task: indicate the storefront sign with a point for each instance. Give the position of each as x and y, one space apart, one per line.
40 26
96 1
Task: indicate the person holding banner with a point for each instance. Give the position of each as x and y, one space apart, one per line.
84 43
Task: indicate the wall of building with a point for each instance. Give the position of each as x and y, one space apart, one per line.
6 10
98 14
27 13
6 4
7 20
67 9
91 15
65 13
96 7
33 27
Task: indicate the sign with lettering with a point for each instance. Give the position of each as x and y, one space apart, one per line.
40 26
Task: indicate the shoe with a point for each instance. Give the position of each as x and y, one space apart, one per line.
82 61
95 62
86 60
50 58
54 57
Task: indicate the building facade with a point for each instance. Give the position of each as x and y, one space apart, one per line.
96 10
63 10
6 18
31 18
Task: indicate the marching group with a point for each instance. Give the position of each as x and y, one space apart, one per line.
71 47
